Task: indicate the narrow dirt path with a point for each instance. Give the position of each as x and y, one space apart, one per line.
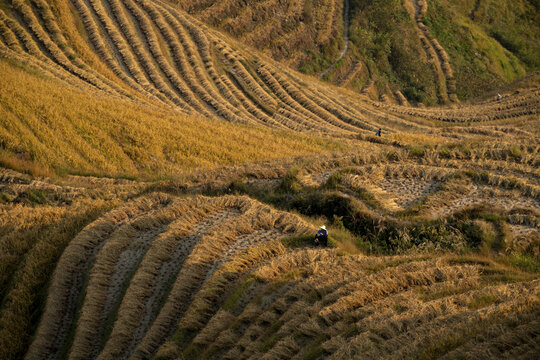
437 56
346 14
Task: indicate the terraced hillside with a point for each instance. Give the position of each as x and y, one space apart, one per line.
161 183
438 57
286 31
136 273
145 58
151 51
469 45
162 54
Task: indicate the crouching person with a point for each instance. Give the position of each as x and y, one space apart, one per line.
321 239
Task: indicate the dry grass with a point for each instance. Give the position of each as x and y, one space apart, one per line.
135 150
118 260
29 258
116 268
211 276
286 313
166 59
284 31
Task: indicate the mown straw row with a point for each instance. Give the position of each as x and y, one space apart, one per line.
114 264
176 51
135 39
283 30
192 69
427 325
53 49
158 51
390 313
351 110
245 78
106 296
198 56
220 105
140 267
306 102
195 269
130 332
246 101
99 41
7 35
290 102
522 105
30 53
69 277
50 22
123 48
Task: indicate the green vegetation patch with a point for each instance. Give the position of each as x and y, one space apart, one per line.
483 301
314 350
271 337
383 35
524 262
299 241
472 39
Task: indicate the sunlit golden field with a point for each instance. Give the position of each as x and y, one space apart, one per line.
161 184
116 137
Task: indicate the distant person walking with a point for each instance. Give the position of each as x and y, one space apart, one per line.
499 97
322 237
378 133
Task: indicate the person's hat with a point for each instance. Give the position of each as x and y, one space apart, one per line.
323 227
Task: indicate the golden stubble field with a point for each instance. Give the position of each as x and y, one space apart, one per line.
161 185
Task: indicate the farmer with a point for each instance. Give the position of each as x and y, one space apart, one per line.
378 133
499 97
322 237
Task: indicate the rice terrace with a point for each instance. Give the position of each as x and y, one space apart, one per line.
269 179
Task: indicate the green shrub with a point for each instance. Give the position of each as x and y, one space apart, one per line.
314 350
35 197
231 301
299 241
334 181
515 152
523 262
483 301
290 182
445 153
416 151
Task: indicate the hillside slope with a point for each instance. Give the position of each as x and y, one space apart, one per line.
434 226
154 56
42 132
135 273
480 44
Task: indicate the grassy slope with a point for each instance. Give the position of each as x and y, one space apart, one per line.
296 32
48 229
383 37
488 47
23 297
489 44
113 137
